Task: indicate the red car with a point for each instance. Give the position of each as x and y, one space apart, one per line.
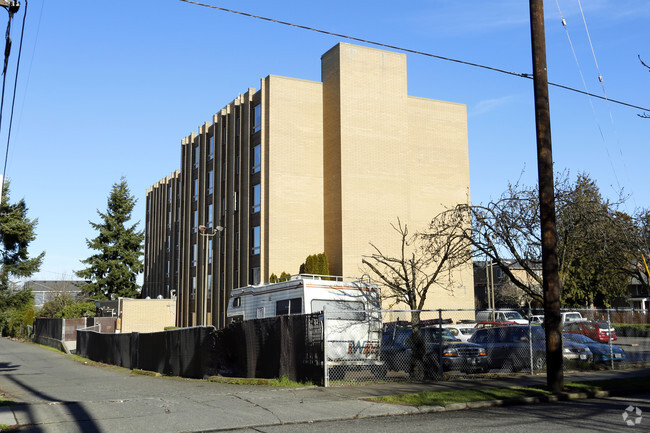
597 331
481 325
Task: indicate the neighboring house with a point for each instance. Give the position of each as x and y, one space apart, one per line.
489 276
46 290
638 297
300 167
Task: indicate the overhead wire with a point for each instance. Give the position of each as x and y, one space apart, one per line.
584 84
4 78
602 85
13 98
409 50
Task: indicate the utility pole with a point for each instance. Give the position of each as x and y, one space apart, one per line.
11 5
550 277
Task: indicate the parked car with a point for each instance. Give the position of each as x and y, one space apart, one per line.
537 319
571 316
509 347
461 331
500 316
598 331
600 351
481 325
397 349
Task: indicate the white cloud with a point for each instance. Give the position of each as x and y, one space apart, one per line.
488 105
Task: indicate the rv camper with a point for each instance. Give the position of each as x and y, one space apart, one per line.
352 320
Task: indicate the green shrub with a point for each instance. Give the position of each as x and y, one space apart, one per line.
77 311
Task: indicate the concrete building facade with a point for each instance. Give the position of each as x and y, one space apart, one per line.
300 167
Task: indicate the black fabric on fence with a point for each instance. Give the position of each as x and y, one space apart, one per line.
185 352
272 347
180 352
266 348
112 349
51 328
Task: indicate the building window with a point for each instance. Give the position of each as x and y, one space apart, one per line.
209 282
211 147
195 192
256 196
210 181
236 302
193 294
255 237
196 156
255 276
210 208
210 251
257 158
257 118
288 306
195 253
195 221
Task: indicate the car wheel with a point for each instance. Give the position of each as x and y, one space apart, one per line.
379 371
509 366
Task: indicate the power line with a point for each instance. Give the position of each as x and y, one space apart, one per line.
13 98
408 50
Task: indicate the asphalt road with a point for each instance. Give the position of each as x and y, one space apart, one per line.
594 415
61 395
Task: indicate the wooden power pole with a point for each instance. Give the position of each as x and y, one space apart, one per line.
551 280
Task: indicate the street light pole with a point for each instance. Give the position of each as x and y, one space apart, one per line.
204 304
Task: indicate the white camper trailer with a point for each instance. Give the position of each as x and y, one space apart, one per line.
352 319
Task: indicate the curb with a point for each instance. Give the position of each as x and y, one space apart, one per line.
567 396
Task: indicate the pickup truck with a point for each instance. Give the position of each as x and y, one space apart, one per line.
397 352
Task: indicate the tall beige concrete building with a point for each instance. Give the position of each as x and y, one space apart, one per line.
300 167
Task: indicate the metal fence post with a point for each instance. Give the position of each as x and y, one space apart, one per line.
611 350
325 363
440 367
530 343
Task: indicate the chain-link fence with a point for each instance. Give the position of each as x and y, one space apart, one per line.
430 345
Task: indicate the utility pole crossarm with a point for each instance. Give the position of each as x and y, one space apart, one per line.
11 5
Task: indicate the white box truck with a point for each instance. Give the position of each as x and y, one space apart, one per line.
352 317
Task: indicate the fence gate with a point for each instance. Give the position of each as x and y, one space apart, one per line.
352 341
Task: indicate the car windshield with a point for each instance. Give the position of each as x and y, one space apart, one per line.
538 333
432 335
513 315
579 338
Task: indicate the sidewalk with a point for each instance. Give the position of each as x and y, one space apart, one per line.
242 406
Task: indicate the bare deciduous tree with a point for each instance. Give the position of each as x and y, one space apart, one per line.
425 260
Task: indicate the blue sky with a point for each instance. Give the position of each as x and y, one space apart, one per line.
109 89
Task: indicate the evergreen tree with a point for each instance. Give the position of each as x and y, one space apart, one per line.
113 269
16 232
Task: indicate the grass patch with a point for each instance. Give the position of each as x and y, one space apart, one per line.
8 428
442 398
284 381
641 326
616 384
